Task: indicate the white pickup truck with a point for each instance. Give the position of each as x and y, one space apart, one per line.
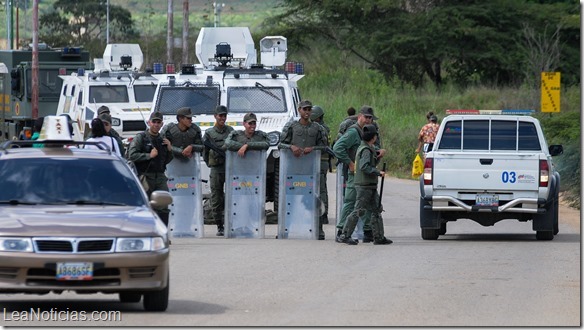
487 168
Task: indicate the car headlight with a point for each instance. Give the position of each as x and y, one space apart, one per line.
15 244
139 244
274 138
116 121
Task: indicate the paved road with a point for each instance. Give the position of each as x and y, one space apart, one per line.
472 276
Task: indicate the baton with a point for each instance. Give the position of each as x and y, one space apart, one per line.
381 187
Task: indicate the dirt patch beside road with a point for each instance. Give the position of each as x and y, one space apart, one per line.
570 216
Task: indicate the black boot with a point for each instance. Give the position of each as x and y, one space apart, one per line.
345 238
320 233
338 237
220 231
367 236
382 241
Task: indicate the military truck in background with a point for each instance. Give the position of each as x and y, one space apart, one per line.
117 83
17 117
228 74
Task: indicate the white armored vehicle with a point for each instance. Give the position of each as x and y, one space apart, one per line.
117 83
228 74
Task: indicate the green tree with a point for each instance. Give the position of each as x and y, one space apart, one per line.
82 23
466 41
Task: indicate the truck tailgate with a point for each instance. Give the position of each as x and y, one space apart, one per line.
486 172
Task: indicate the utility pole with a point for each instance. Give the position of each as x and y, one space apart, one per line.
185 39
217 11
107 41
35 59
169 37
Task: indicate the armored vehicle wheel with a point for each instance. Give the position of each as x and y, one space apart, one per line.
442 228
544 235
430 234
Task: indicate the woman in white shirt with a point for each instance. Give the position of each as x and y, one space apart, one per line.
99 134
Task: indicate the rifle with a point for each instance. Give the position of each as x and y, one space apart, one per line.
381 187
331 155
211 145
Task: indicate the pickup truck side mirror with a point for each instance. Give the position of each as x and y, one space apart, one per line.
556 149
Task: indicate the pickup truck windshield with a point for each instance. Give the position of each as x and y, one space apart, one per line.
496 135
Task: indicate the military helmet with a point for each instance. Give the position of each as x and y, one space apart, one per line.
316 113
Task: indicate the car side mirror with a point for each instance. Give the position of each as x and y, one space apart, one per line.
160 199
556 149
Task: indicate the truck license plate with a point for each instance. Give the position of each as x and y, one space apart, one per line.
74 271
487 200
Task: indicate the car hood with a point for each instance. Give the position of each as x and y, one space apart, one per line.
79 221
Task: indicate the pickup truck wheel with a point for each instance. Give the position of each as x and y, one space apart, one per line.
544 235
556 216
156 301
430 234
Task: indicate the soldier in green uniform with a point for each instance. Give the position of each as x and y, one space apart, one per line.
216 136
317 116
302 136
151 151
365 182
184 136
345 149
247 139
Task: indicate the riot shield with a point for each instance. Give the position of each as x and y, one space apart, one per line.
184 184
245 194
340 195
299 195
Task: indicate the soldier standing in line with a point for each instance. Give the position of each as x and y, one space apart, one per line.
345 149
302 136
317 116
216 136
151 151
365 182
247 139
184 136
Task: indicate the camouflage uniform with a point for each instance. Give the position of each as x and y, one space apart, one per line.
216 163
236 139
317 115
367 198
152 168
311 135
182 139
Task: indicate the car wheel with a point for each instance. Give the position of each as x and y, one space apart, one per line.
130 297
544 235
156 301
430 234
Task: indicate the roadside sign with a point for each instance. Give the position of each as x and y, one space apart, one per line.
550 92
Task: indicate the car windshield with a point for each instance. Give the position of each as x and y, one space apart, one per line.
144 93
108 94
68 181
257 99
202 99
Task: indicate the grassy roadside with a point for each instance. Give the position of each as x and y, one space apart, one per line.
401 111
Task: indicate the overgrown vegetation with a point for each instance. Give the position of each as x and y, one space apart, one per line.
337 81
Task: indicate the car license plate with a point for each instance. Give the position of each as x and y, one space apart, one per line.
487 200
74 271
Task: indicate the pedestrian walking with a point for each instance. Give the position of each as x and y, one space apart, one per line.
428 133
